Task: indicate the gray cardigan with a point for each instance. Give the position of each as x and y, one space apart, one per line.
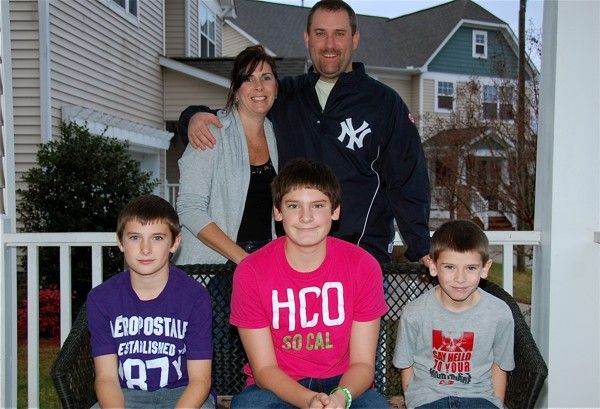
213 185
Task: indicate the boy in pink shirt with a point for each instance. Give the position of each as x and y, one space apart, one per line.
308 306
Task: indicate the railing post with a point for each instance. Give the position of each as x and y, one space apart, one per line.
96 265
8 323
65 292
33 321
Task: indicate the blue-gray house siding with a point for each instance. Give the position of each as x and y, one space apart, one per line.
456 56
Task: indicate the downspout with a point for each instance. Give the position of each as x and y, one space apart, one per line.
421 120
8 258
45 84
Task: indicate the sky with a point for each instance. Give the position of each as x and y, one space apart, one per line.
507 10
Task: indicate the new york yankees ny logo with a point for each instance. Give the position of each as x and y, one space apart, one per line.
353 139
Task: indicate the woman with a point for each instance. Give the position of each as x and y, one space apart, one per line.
224 200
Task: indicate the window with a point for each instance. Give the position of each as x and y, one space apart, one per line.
498 102
506 111
490 102
207 32
480 44
129 6
445 96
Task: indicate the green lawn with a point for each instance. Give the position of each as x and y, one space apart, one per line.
521 283
48 398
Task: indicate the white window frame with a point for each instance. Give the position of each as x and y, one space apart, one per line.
496 99
124 11
438 94
204 11
477 33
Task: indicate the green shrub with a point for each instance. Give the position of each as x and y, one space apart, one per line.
80 183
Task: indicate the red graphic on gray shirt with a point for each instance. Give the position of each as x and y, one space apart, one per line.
452 353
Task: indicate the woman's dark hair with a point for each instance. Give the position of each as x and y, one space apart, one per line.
244 65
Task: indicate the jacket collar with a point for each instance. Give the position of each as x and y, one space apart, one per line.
358 71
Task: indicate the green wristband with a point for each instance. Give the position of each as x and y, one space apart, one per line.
346 393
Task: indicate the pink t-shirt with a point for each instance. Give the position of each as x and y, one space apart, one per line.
310 315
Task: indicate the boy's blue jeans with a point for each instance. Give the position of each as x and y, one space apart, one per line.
254 397
454 402
163 398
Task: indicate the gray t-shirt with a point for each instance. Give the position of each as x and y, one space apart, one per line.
452 353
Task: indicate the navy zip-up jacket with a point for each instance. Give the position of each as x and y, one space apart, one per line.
368 137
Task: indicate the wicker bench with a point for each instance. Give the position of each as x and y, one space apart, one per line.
73 370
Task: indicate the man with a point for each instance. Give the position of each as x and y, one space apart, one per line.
361 128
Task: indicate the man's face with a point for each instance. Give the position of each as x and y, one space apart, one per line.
330 43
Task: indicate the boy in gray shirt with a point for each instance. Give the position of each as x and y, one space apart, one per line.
455 342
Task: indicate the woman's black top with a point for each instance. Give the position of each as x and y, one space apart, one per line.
256 221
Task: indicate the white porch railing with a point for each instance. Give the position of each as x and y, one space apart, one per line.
65 241
172 191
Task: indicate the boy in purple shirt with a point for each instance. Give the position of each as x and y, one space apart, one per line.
151 325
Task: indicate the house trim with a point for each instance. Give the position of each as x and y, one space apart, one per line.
164 28
45 81
186 29
399 73
421 105
8 259
248 36
8 162
100 123
194 72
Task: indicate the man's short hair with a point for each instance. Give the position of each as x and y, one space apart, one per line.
148 209
461 236
333 5
306 174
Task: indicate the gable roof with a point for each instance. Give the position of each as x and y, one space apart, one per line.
410 39
479 137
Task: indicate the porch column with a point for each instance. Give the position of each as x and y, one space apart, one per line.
566 303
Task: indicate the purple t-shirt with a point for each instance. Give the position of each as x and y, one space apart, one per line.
152 339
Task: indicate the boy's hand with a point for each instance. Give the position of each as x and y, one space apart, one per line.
336 401
199 135
318 401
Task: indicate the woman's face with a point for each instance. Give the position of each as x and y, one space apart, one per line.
257 94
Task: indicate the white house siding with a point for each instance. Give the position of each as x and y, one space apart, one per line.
219 36
102 61
428 96
26 84
233 42
181 91
401 85
194 28
175 28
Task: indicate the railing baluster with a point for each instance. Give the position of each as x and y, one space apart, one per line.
96 265
65 292
33 329
507 268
